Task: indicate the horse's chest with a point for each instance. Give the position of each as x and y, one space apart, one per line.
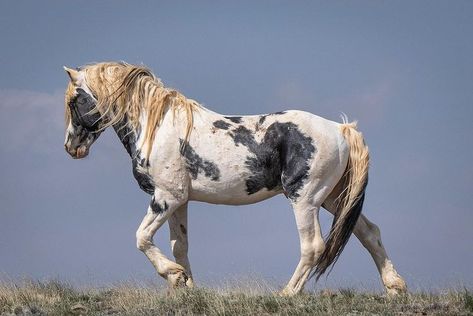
142 176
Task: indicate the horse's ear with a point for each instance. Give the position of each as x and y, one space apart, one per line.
73 74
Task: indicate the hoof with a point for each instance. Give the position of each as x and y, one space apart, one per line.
190 283
178 279
396 288
394 292
286 292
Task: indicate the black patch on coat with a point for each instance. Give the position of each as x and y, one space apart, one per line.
144 180
139 165
86 125
126 136
222 124
280 160
157 207
234 119
82 107
196 164
263 117
81 135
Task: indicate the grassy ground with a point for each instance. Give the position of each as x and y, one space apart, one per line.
53 298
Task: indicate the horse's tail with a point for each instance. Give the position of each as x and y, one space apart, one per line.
349 202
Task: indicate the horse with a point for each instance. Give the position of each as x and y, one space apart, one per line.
181 151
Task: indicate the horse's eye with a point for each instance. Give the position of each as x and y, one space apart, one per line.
81 100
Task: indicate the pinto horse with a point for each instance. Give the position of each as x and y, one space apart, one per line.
182 151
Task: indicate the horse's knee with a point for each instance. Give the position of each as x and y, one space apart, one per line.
142 241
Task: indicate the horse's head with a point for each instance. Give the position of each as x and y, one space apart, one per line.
83 121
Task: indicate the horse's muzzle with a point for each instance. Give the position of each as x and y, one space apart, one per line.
77 153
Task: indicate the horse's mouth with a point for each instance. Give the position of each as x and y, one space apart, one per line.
79 153
82 152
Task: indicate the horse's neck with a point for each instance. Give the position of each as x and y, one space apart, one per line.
127 137
131 138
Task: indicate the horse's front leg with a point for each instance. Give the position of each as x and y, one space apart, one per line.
179 242
161 207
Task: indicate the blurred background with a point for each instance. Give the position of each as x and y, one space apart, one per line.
403 69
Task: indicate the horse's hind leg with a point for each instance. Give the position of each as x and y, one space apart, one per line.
311 243
179 242
370 237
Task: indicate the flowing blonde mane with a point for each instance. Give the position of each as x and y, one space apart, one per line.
128 91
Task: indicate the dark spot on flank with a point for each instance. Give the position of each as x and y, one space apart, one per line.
197 165
279 161
297 154
222 124
183 229
234 119
157 207
242 135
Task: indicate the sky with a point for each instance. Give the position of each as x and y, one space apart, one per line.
403 69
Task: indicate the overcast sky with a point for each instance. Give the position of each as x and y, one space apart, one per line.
403 69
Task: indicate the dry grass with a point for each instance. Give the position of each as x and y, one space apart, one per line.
55 298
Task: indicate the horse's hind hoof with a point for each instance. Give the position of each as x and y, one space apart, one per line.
287 292
394 284
395 292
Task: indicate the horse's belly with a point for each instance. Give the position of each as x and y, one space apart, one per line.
230 194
